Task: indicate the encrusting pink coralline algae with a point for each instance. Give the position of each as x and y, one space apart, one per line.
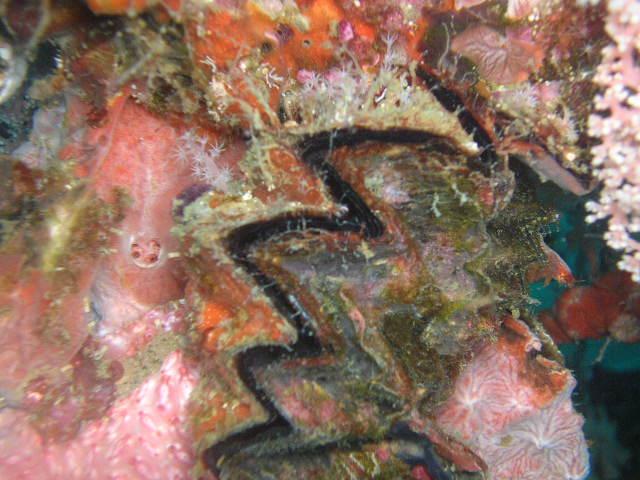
617 158
145 435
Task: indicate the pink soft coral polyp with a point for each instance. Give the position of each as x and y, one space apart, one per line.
500 59
513 408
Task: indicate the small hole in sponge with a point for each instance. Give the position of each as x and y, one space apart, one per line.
145 254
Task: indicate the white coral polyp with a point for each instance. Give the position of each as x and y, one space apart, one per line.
204 160
616 161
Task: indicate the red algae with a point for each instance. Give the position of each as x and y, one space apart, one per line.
609 307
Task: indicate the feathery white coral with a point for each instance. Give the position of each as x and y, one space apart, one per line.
616 160
195 150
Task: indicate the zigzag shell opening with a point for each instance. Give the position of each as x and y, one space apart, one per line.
368 319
